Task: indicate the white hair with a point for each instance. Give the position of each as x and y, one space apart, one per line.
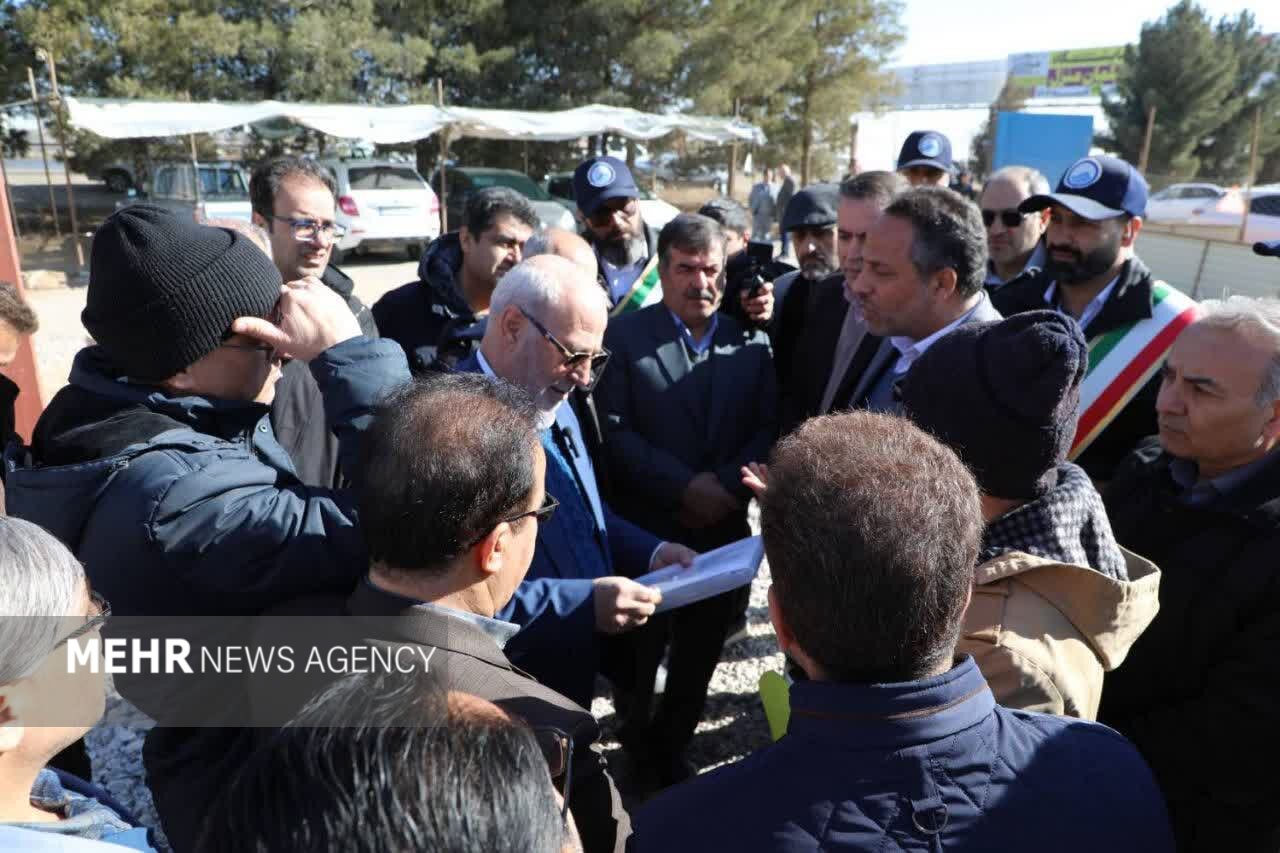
538 244
41 583
536 285
1259 318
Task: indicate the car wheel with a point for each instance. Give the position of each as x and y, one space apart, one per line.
117 182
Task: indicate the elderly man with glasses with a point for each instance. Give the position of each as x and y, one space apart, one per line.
689 398
1015 240
544 335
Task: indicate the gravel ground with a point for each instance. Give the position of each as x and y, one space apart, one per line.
733 722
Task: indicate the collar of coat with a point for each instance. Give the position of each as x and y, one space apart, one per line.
1128 303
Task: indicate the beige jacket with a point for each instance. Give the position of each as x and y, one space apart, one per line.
1043 632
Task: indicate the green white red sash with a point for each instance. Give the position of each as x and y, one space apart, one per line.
646 291
1123 360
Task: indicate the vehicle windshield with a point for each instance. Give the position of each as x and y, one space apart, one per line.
223 182
514 180
384 178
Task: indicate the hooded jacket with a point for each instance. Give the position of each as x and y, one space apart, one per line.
1043 632
188 506
430 318
1056 601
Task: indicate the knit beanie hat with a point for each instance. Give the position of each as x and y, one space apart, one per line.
164 291
1004 396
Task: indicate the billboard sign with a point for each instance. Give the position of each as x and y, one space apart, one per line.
1066 73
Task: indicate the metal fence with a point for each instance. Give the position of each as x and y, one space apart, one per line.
1208 269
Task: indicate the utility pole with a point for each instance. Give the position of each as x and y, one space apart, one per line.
1253 170
1146 140
733 155
47 57
444 162
44 154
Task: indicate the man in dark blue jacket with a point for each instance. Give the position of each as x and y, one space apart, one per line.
157 464
439 319
872 530
544 336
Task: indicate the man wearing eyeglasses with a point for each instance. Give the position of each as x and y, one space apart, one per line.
293 202
626 247
1015 240
690 395
545 333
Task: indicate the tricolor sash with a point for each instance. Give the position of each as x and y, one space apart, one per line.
645 291
1123 360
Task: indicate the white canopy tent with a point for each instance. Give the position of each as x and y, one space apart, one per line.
128 119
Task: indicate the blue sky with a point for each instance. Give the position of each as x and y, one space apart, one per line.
951 31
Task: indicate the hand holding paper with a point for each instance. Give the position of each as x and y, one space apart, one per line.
712 573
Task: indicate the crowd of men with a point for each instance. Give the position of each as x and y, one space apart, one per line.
1020 500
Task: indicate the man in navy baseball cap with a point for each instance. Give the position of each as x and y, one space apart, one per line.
925 159
607 198
1092 273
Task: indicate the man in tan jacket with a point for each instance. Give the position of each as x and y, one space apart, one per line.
1056 601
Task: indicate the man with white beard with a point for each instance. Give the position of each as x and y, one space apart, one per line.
546 328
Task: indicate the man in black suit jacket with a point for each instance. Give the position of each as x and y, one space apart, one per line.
689 397
450 513
922 269
830 331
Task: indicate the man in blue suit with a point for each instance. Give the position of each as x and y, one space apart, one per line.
545 332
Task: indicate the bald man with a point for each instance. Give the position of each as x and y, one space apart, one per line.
566 244
546 325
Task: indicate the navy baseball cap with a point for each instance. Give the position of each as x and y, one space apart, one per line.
926 148
812 207
599 179
1265 249
1096 187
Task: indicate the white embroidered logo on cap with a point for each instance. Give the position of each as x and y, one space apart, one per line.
930 145
600 175
1085 173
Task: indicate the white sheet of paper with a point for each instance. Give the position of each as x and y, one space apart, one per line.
712 573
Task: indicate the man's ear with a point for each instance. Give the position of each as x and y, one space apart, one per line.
1044 219
11 728
1131 230
511 322
464 237
945 280
1271 429
490 554
785 638
260 220
180 383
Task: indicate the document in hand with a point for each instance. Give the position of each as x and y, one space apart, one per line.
712 573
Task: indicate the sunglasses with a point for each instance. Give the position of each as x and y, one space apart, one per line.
603 214
1008 218
102 610
572 360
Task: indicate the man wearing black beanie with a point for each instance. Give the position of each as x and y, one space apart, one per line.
158 467
1056 601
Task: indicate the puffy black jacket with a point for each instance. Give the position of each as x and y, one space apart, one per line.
429 317
1200 689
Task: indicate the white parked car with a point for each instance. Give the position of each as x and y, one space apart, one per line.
1264 213
383 205
1180 202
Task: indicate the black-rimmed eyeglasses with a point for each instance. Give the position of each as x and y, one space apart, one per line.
573 360
102 612
557 747
542 514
